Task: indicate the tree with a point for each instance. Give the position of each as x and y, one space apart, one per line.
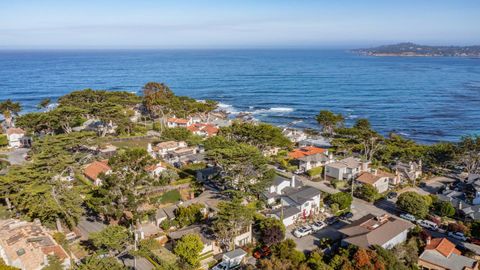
286 250
272 231
363 124
342 199
113 239
122 189
94 262
260 135
244 166
188 248
469 151
329 121
68 117
413 203
233 218
440 154
8 109
367 192
475 229
191 214
53 263
3 140
444 209
43 104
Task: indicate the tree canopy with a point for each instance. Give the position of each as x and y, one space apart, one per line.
188 248
413 203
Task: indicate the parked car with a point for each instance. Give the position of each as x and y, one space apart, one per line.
303 231
331 220
457 235
474 241
318 225
408 217
263 252
428 224
392 195
346 216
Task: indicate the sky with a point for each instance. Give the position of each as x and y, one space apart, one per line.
198 24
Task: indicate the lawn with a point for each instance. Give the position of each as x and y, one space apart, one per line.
171 196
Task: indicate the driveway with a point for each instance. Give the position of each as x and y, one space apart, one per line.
17 156
86 227
310 242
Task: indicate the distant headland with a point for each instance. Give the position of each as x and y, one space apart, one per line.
412 49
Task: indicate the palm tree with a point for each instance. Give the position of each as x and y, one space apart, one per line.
8 109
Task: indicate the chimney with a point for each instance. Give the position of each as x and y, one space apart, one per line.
292 181
364 166
374 171
149 148
428 240
330 156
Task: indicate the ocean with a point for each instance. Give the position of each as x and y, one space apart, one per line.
425 99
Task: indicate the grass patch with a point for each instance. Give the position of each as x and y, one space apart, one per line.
133 143
171 196
182 181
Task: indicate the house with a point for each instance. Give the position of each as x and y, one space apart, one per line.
178 122
16 138
473 188
204 130
381 180
107 150
161 150
459 201
207 174
185 155
309 157
321 142
347 168
155 170
97 125
294 135
243 236
385 231
441 254
93 170
207 237
27 245
408 172
296 202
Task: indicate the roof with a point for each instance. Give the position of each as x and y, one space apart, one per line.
316 158
453 261
154 167
306 151
177 120
371 230
167 145
235 253
12 131
303 194
278 179
194 229
26 244
371 178
443 246
96 168
209 129
287 212
349 162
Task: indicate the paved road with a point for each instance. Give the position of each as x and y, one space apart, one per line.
17 156
87 227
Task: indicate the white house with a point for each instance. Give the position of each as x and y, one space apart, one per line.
295 202
178 122
16 138
381 180
162 149
155 170
347 168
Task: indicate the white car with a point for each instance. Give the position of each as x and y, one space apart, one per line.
457 235
303 231
408 217
318 225
221 266
428 224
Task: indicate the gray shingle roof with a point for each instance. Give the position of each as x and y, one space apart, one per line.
453 262
303 194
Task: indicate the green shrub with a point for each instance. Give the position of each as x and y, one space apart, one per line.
315 172
3 140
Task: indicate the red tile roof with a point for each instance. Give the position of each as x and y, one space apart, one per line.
95 168
11 131
177 120
443 246
306 151
210 129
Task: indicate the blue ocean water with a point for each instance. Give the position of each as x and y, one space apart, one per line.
426 99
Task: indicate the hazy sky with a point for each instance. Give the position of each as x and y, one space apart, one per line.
235 24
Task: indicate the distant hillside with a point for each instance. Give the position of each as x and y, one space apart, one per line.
411 49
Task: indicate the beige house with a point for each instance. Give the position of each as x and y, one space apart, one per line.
381 180
346 169
27 245
441 254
